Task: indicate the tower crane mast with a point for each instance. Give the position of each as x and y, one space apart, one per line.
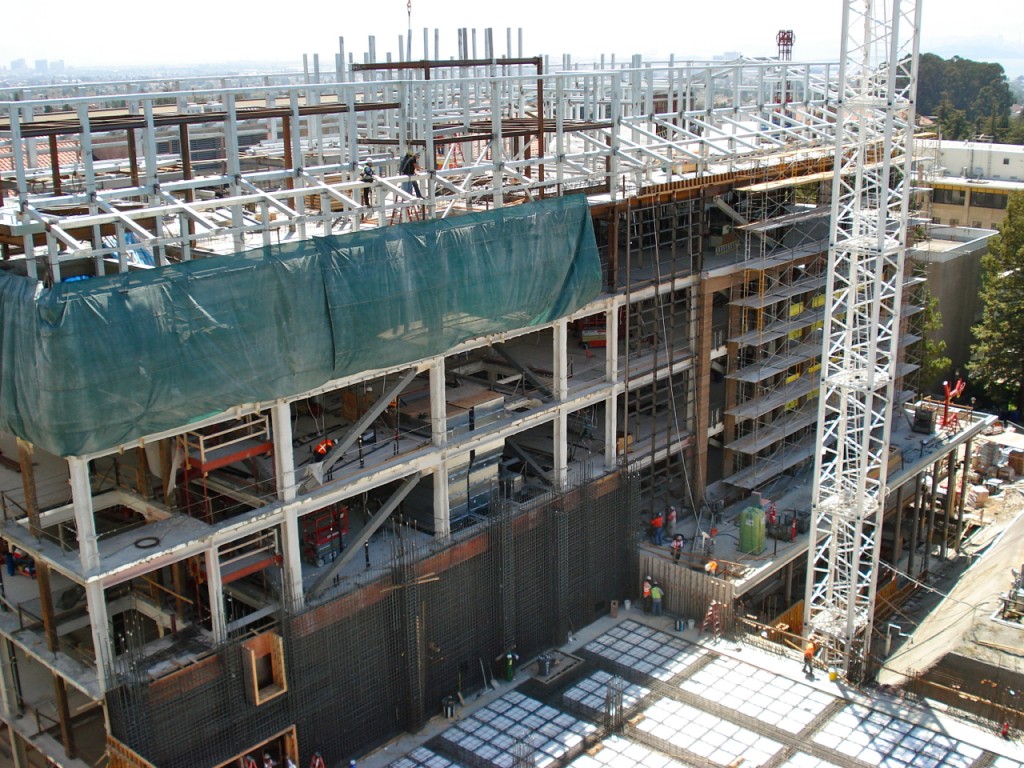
867 248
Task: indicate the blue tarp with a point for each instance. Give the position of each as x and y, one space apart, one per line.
91 364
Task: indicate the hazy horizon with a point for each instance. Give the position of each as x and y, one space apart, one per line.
215 33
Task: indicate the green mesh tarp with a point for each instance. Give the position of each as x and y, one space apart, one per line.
89 365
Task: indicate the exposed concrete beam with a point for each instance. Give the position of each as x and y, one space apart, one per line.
364 535
317 471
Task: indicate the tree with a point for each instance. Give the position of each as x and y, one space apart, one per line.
997 360
1016 133
974 95
952 121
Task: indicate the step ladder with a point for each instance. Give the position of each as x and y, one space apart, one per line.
713 620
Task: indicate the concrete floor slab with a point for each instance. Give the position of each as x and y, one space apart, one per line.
791 721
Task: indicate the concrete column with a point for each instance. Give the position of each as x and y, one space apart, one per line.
914 525
964 482
611 372
81 498
216 590
560 389
442 511
99 621
291 539
560 450
438 405
947 507
897 549
788 596
284 452
291 568
560 358
929 528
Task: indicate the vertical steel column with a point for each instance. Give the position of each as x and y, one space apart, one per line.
233 168
614 140
497 148
28 239
186 226
55 164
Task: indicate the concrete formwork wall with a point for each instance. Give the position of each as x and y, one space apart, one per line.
689 592
377 661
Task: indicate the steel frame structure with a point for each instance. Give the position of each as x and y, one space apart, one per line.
611 131
871 187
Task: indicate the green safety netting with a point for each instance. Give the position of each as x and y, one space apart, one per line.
89 365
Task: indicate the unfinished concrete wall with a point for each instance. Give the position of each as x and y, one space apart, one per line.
365 666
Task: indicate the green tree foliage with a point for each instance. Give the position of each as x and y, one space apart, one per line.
1016 133
968 97
997 360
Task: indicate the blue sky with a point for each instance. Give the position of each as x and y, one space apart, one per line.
211 31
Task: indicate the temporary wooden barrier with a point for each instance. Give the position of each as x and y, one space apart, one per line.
689 592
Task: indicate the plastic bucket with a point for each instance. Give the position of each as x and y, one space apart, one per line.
832 674
692 623
626 604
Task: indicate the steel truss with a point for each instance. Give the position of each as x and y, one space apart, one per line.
878 74
289 155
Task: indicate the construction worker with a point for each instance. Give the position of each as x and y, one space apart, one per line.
249 762
646 593
711 568
677 546
657 593
657 525
367 178
317 761
320 449
268 761
809 651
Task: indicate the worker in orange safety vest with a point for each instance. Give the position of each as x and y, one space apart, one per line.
809 651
